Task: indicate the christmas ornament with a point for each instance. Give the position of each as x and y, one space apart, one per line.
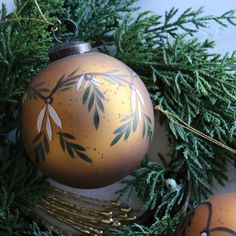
87 118
214 217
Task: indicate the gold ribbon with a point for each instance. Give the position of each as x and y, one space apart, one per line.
184 125
45 20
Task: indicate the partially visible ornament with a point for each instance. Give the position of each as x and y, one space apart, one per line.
87 118
214 217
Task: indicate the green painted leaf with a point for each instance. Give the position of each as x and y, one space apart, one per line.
39 84
149 119
116 139
41 151
99 93
37 138
127 117
100 105
66 135
77 147
73 72
69 83
135 123
62 143
127 133
91 101
61 78
96 118
150 136
43 90
121 128
64 89
42 154
144 129
69 149
86 94
84 157
45 144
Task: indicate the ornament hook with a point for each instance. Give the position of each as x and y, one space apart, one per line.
67 22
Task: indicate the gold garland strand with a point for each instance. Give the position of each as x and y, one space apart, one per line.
89 216
183 124
41 13
45 20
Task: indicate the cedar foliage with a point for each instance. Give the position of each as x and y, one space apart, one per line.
182 74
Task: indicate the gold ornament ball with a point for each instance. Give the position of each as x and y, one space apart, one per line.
214 217
87 120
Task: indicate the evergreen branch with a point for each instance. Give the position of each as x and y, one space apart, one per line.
193 18
164 226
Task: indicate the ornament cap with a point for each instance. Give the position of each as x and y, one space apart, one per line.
61 50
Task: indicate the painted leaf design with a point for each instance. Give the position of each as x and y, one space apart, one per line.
77 147
70 136
79 83
125 129
96 119
127 133
40 119
62 143
139 111
41 147
49 129
149 119
91 101
121 128
54 116
73 148
86 84
133 101
69 149
46 144
43 90
127 117
100 105
116 139
37 138
96 82
99 93
140 96
144 129
39 153
61 79
147 128
111 71
84 156
73 72
135 124
86 94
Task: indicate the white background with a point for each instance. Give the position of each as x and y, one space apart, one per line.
225 39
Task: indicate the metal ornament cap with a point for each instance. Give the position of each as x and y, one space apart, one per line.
62 50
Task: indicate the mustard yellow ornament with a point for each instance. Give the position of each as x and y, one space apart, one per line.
87 118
